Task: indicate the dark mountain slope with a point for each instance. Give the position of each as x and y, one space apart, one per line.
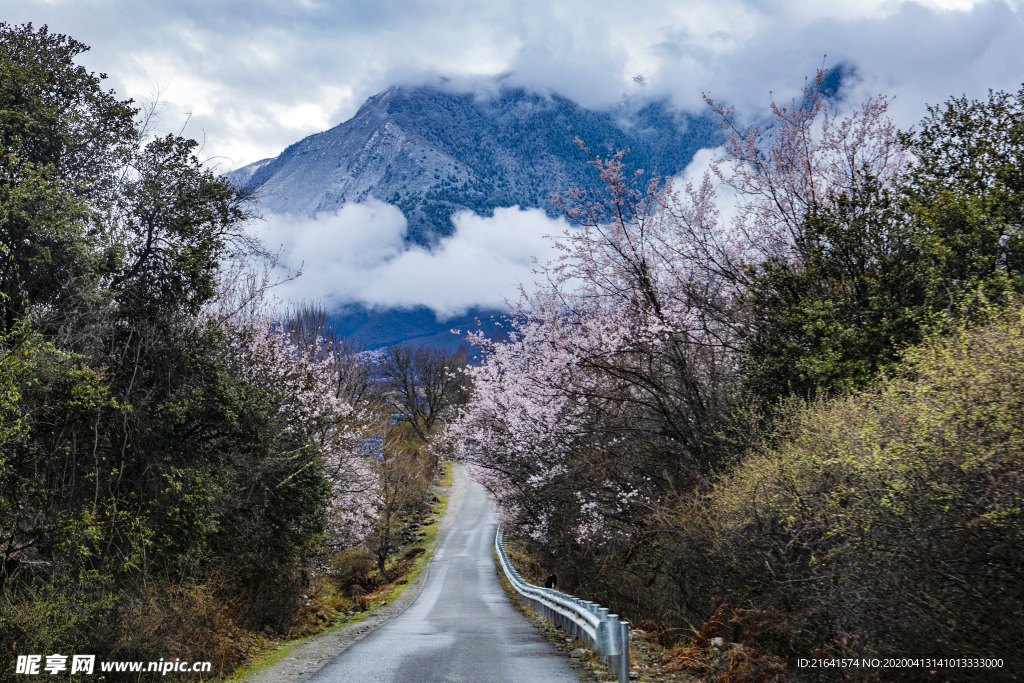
374 329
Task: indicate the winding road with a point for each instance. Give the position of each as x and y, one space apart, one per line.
461 626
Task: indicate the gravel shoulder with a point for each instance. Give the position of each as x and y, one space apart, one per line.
312 655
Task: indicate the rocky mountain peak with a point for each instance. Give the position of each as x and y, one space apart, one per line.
433 152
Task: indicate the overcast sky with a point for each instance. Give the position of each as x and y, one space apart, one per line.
258 76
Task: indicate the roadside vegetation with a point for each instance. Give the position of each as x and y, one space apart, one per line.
187 469
775 414
771 415
356 587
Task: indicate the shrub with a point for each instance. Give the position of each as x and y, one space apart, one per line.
890 522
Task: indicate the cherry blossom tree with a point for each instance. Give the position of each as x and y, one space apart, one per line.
319 391
620 368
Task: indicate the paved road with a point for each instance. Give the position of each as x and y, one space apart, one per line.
461 627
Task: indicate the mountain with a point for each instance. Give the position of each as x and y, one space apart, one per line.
374 329
433 152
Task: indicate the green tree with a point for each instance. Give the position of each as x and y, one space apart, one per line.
837 314
889 519
965 196
175 220
130 449
62 138
871 267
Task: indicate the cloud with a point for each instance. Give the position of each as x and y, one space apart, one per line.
259 75
919 53
359 254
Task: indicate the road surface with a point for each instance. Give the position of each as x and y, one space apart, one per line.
461 626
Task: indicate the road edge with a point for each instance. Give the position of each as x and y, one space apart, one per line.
308 657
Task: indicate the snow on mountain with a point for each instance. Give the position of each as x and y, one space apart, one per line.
432 152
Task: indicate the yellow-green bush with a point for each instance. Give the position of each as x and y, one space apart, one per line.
891 522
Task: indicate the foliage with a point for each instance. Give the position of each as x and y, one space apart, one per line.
62 139
889 521
638 424
828 279
922 220
965 195
177 455
427 384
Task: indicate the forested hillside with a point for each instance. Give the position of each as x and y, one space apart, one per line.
795 436
186 471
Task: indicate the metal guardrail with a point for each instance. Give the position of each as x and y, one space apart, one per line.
581 619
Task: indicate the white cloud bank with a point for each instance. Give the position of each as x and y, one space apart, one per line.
359 254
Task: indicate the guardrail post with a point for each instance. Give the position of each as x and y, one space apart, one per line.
611 636
603 633
613 643
624 657
589 607
576 627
